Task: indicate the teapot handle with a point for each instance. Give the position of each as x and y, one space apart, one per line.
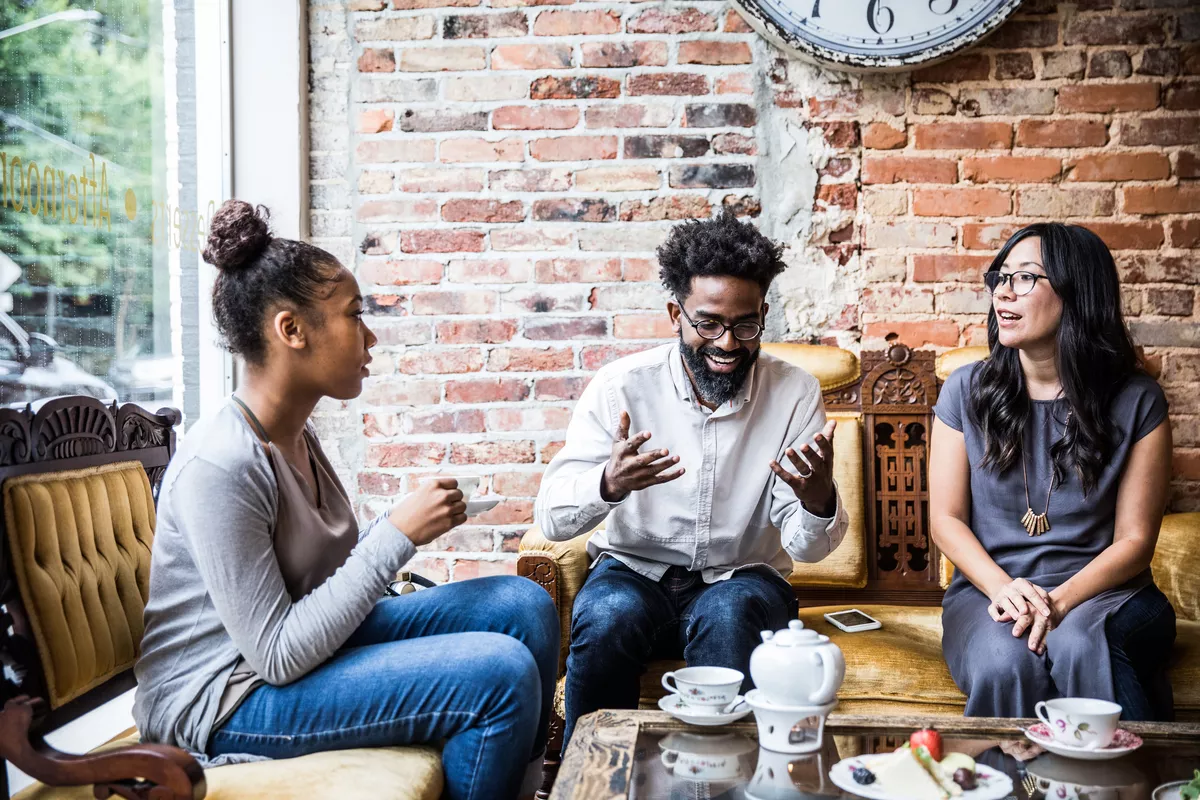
829 680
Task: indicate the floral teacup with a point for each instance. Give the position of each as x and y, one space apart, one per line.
705 689
1080 721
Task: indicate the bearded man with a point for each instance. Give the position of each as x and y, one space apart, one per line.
680 451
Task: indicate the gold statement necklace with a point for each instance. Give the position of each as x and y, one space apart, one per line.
1037 524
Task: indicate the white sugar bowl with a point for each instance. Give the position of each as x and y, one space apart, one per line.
797 667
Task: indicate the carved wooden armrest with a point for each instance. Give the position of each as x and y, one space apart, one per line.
136 772
558 567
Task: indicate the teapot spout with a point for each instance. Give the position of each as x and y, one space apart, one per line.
767 635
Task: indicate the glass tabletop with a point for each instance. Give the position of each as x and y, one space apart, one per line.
668 760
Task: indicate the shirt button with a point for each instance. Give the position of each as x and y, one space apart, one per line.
708 466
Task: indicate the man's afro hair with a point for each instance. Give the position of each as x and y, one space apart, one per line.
719 246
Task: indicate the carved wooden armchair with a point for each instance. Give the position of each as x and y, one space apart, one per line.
79 483
887 565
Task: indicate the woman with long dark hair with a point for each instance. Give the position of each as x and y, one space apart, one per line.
1048 480
267 631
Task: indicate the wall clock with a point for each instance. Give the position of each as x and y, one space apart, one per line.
869 35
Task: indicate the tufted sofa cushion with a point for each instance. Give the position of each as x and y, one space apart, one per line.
80 544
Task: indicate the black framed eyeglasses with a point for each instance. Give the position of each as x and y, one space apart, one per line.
712 329
1022 283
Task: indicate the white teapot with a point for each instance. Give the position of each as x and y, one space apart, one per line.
797 667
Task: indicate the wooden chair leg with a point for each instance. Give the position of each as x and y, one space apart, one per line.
553 757
137 772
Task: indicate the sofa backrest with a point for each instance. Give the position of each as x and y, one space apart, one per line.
78 481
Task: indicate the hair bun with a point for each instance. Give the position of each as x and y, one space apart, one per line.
237 234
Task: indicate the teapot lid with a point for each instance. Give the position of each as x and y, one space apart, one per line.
796 635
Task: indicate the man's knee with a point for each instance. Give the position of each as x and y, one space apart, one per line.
610 613
739 604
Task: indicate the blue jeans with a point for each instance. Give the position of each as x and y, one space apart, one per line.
1140 638
622 621
473 663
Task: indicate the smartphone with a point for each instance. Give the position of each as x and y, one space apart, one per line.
852 621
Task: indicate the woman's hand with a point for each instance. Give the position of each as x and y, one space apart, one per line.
1019 598
434 508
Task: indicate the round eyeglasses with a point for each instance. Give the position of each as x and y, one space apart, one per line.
712 329
1022 283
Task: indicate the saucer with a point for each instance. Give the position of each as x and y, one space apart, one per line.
477 507
992 784
1123 742
674 705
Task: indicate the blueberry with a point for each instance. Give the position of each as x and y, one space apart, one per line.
863 775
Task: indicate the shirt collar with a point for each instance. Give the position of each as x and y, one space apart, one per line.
686 393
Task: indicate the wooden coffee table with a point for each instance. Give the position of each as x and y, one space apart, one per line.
619 754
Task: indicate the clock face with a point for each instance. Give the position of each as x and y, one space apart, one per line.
876 34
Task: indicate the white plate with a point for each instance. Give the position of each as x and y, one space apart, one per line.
477 507
673 705
1039 734
992 784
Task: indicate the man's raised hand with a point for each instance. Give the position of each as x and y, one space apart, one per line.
629 470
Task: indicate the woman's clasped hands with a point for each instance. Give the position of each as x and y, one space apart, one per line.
1030 608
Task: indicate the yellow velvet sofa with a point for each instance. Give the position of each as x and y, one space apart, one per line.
898 668
78 485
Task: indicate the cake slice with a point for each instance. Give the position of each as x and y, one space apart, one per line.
944 778
902 775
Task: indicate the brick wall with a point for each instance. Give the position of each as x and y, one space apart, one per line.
499 176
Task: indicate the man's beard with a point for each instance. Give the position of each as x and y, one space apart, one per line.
717 388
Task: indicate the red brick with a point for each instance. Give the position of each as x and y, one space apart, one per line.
394 392
1110 64
527 3
897 299
958 267
527 238
532 56
551 450
719 115
926 101
1185 233
380 483
410 454
558 389
420 210
1161 131
377 60
489 270
448 240
400 273
476 331
408 5
935 332
471 421
524 118
736 23
1014 66
741 145
484 26
391 304
375 120
490 390
1124 29
576 23
561 329
623 54
442 59
1184 199
837 105
1120 167
1025 34
841 134
665 146
961 202
530 180
454 302
966 67
639 270
1183 97
1011 169
1061 133
516 484
908 169
470 568
1128 235
493 452
577 270
594 357
528 419
617 179
738 83
574 148
529 359
842 195
433 180
643 326
380 151
744 206
581 87
1156 268
472 210
1187 164
881 136
657 20
712 176
708 52
629 115
667 83
574 209
672 207
1060 202
964 136
1108 97
1170 302
469 149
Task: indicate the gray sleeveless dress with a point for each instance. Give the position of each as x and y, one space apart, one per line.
996 670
